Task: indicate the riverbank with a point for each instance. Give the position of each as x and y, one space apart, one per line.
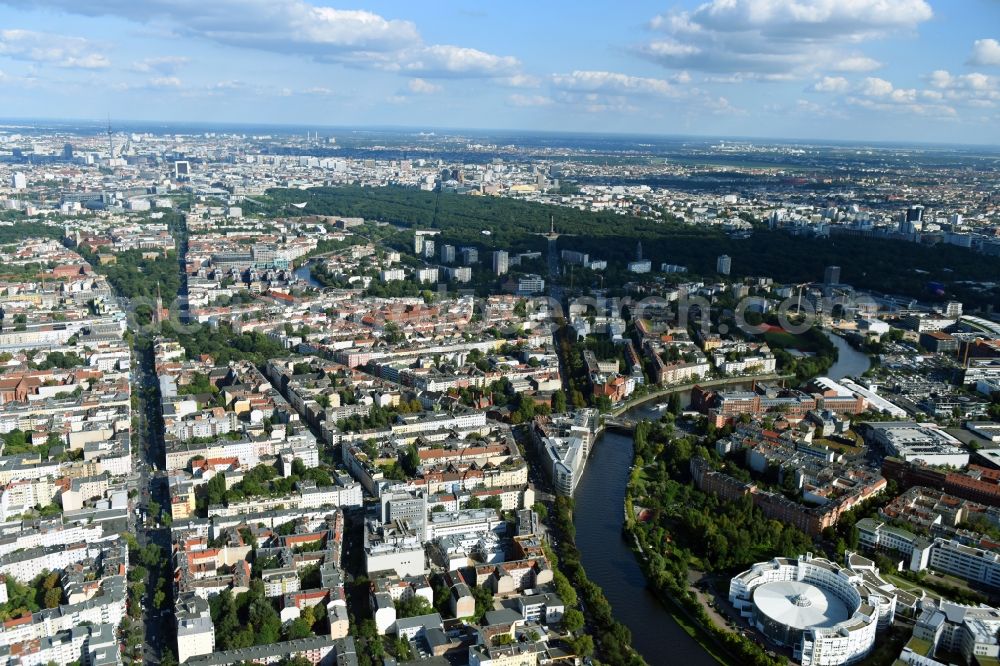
683 619
602 633
661 639
680 388
613 640
673 528
664 630
712 638
850 362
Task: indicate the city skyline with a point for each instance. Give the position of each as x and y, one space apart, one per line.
894 70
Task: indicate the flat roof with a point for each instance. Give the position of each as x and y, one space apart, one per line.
799 605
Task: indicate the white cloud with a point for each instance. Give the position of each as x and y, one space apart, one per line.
277 25
521 81
165 82
856 64
600 92
985 53
518 99
229 84
353 37
612 83
813 110
52 49
771 39
948 91
942 111
422 87
455 61
163 65
831 84
876 87
973 89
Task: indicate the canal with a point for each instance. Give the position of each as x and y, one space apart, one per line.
304 273
850 362
609 561
600 503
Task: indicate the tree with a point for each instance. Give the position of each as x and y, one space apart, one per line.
298 628
572 620
168 658
401 646
582 645
493 502
413 606
559 402
296 661
53 597
484 602
564 589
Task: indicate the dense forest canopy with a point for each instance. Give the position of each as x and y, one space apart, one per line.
882 265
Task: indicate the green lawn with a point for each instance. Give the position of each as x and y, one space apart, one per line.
784 340
920 646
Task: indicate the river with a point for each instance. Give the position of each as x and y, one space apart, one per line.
600 503
609 561
304 273
850 362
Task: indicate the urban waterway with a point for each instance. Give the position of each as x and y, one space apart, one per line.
850 362
609 561
304 272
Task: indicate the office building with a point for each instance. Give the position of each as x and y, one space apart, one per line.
912 441
195 631
530 284
831 275
470 255
447 254
500 262
407 507
461 274
429 248
391 274
825 613
425 275
953 629
723 265
563 444
641 266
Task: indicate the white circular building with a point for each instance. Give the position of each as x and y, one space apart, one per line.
827 614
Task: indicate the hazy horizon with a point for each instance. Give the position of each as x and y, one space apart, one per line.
99 126
901 71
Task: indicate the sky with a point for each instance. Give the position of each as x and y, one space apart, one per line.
870 70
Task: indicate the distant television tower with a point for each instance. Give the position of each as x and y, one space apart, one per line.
111 143
158 312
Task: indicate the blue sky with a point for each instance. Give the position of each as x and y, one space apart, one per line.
896 70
